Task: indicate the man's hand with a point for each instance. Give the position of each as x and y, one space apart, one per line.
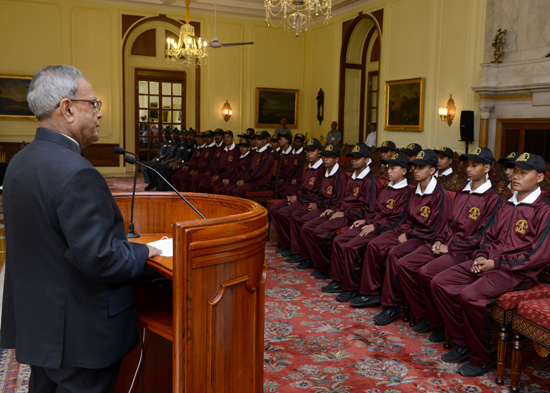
225 182
240 182
294 182
439 249
311 207
358 223
482 264
291 199
366 230
153 251
215 177
337 215
402 238
327 212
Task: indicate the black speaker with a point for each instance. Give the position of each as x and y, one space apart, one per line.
467 126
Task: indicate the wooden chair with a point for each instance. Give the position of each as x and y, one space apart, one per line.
532 321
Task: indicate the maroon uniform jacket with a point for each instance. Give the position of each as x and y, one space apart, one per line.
227 161
206 156
518 241
311 183
391 208
427 214
473 214
240 168
288 171
332 189
261 168
295 165
360 196
217 154
195 157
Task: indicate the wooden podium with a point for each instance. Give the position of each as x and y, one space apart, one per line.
213 315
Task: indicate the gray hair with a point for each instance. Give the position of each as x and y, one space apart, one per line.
50 85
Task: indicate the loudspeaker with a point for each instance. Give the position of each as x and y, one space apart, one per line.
467 126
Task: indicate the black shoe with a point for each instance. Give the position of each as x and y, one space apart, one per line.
333 287
423 326
438 335
280 250
295 258
346 296
472 370
457 355
286 253
305 264
149 187
364 301
321 276
388 314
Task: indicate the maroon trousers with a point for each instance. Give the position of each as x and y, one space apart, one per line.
348 250
415 272
181 179
287 189
297 221
239 191
317 235
280 214
463 297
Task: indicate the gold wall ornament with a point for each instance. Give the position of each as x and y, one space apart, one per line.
498 45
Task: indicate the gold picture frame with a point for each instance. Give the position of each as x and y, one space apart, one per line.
13 97
404 109
274 104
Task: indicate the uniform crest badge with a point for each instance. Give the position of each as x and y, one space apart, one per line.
425 211
390 203
474 213
522 225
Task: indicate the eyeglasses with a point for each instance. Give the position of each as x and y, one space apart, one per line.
95 102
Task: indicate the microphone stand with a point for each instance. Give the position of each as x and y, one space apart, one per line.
131 233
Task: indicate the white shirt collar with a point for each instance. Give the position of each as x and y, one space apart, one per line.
288 151
262 149
230 147
298 151
334 170
429 189
212 144
363 173
316 165
510 185
245 154
202 146
278 149
480 190
219 144
402 184
72 139
446 172
532 197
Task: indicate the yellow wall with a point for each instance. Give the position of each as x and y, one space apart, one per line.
440 40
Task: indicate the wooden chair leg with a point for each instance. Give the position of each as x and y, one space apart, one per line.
516 361
501 353
447 344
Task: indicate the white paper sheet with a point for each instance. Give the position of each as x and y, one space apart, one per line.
165 245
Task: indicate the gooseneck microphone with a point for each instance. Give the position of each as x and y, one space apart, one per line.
131 160
131 233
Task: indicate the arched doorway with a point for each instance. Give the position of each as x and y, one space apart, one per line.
359 76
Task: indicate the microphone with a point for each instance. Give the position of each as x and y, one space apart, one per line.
131 233
120 150
131 160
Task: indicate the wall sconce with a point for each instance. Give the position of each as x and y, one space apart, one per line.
226 111
448 113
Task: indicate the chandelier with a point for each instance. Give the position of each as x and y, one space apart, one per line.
189 51
297 15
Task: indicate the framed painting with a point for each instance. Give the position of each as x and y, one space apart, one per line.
13 97
404 105
274 104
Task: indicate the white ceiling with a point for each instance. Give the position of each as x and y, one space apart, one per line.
235 8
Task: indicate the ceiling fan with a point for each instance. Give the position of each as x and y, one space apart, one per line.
217 44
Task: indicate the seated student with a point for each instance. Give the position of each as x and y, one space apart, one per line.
412 150
172 165
281 212
387 150
172 155
230 177
349 248
258 176
508 172
183 174
291 168
359 199
298 162
275 146
426 216
444 174
227 160
473 213
202 169
205 174
516 248
331 193
161 155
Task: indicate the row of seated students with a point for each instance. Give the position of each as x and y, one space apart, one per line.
449 259
210 162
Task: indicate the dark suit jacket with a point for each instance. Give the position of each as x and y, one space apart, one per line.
68 297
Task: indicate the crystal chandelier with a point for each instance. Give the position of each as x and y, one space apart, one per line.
297 14
189 51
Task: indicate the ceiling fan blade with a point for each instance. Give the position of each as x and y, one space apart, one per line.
237 44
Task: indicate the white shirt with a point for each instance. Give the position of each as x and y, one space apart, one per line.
287 150
371 139
334 169
402 184
230 147
298 151
532 197
317 164
362 175
480 190
262 149
431 187
67 136
245 154
447 172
